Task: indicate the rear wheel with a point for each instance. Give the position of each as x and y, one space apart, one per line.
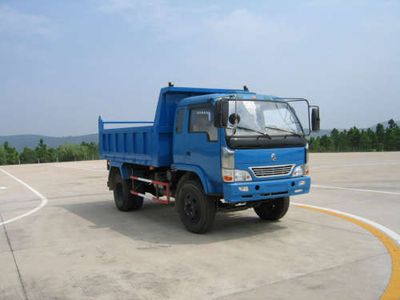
195 209
273 209
123 199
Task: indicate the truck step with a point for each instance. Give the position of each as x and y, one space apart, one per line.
164 199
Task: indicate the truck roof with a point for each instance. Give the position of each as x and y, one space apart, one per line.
242 95
195 90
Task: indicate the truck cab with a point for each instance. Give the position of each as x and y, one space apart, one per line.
219 150
255 153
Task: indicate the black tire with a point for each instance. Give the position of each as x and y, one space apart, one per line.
195 209
273 210
123 199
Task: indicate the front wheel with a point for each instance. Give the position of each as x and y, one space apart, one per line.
273 209
195 209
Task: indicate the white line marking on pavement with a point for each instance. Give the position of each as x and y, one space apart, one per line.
393 235
41 205
353 189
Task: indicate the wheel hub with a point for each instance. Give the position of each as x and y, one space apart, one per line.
190 207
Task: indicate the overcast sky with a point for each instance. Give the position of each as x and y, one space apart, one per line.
63 63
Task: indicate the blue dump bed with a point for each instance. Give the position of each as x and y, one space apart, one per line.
148 145
138 145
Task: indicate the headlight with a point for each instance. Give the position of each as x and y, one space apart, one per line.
241 175
229 175
300 170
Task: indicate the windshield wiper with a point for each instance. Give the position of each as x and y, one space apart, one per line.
253 130
284 130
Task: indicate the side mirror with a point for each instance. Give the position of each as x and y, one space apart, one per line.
315 121
221 113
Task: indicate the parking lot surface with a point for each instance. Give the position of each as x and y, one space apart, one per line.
62 238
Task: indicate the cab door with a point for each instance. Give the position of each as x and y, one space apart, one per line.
179 136
202 142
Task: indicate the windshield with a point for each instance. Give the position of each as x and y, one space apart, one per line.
268 118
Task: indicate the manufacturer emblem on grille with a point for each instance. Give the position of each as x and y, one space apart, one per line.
273 157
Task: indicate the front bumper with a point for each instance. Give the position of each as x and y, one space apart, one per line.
269 189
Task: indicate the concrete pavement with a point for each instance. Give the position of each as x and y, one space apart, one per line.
79 246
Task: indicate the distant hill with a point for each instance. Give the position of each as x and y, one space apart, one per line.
31 140
385 124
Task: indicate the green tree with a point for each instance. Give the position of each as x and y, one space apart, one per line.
41 152
335 139
12 156
66 152
91 150
372 139
3 155
52 155
325 143
343 144
391 138
380 137
314 144
70 152
28 156
392 124
365 141
354 137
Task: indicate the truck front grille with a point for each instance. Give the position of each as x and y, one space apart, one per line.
272 171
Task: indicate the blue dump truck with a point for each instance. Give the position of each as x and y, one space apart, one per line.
211 150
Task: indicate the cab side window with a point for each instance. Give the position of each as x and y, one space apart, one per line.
179 120
202 120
